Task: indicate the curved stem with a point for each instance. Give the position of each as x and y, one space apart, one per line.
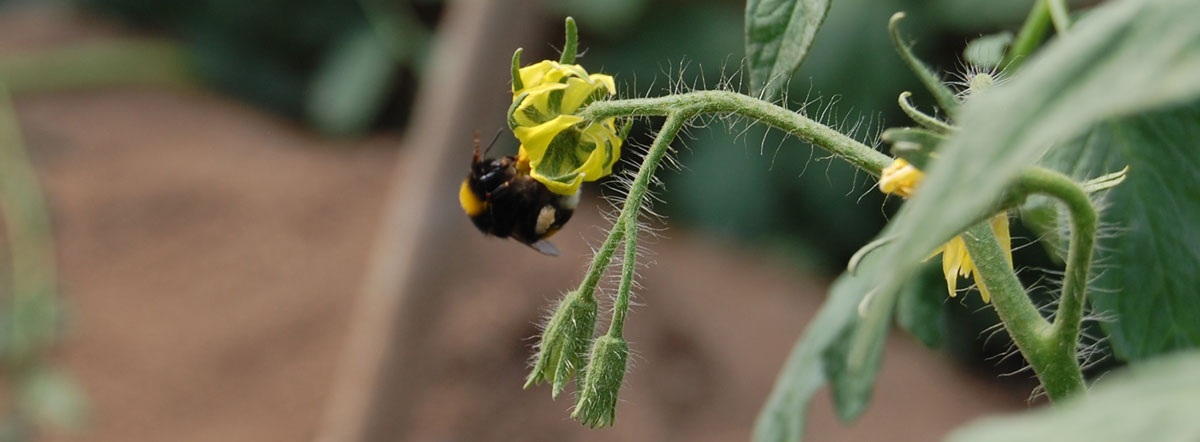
921 118
1065 329
944 96
1050 348
1056 368
689 104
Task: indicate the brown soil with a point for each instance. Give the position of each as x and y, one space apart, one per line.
210 256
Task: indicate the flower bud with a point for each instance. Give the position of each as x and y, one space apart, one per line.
597 404
564 342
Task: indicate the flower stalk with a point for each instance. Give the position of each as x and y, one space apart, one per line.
688 105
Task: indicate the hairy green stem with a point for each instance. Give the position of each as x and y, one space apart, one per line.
1030 36
1084 219
629 213
600 261
621 306
1050 348
690 104
1056 368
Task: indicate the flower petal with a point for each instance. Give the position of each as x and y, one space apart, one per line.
952 261
606 80
538 106
536 139
577 93
535 74
1000 228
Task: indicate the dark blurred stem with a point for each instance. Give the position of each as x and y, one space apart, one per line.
1030 36
99 64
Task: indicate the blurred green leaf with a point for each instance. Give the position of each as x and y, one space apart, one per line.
778 36
852 377
808 367
1151 216
987 51
1154 401
609 18
52 399
921 304
1124 58
350 87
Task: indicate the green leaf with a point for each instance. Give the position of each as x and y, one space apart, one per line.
921 304
1152 401
778 36
987 51
1147 276
852 377
809 365
348 90
1123 58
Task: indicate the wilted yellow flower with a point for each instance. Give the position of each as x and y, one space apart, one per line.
901 178
957 262
563 150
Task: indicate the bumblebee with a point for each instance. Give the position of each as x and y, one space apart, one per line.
504 201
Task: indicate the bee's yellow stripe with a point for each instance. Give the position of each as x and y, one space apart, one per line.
469 201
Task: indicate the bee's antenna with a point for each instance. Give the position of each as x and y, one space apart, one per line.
476 159
493 143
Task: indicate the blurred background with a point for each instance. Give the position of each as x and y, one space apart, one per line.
236 221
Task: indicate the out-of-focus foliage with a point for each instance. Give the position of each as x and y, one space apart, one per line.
38 396
337 63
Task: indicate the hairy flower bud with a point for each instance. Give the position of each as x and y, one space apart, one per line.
597 404
564 342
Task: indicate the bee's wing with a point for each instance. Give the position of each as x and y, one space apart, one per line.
546 247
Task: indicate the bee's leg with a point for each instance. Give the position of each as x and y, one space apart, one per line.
501 192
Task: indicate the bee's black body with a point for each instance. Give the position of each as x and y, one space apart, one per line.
504 201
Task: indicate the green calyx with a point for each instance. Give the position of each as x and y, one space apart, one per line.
597 403
564 342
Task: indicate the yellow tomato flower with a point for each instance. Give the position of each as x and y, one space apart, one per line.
901 178
563 151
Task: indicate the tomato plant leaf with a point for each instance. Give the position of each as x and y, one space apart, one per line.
819 354
921 305
778 36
